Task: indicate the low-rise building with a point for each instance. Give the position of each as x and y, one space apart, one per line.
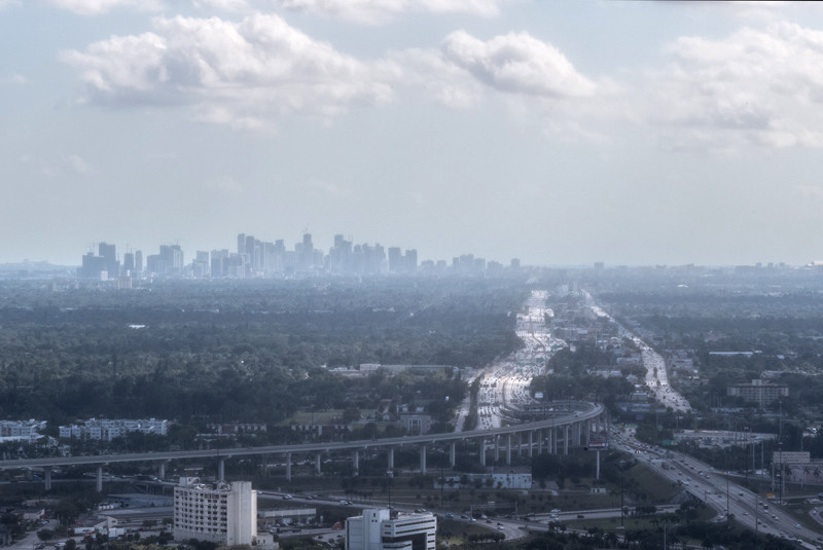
759 391
376 529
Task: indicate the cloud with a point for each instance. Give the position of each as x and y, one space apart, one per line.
243 73
382 11
438 78
755 87
96 7
222 5
517 63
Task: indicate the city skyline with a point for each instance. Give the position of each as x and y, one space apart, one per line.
254 257
634 133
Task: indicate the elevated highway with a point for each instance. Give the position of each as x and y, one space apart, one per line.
552 435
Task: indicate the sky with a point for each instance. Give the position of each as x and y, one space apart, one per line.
560 133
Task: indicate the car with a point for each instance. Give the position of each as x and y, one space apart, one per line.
580 516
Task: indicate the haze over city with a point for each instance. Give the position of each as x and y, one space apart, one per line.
557 133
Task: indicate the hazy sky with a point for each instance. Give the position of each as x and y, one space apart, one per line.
556 132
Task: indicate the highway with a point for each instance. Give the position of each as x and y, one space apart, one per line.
696 477
505 385
716 490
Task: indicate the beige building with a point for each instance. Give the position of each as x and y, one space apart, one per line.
759 391
224 513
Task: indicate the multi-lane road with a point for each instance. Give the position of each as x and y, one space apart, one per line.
506 384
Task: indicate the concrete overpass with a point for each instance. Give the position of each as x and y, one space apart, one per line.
570 427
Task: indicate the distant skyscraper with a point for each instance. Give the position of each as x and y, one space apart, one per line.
109 254
128 263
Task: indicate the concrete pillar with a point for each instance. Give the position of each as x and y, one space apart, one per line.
355 460
482 451
288 466
496 449
597 474
99 479
508 449
221 469
452 454
423 459
47 477
391 458
531 444
540 437
566 439
162 473
317 464
519 444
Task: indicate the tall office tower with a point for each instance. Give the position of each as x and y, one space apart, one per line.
171 257
128 263
395 260
411 260
376 530
218 260
306 253
138 262
224 513
241 243
109 254
92 267
201 267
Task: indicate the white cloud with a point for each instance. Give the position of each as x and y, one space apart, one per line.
239 73
223 5
96 7
517 63
381 11
756 87
439 79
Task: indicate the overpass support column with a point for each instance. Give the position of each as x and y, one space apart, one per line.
317 464
221 469
496 449
391 458
508 449
162 470
482 451
47 477
452 453
423 459
566 439
355 461
531 444
288 466
540 436
99 485
519 444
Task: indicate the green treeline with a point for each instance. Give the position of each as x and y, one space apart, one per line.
255 351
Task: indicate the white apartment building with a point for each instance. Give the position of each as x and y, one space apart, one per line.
377 530
21 429
108 429
224 513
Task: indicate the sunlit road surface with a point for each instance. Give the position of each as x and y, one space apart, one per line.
657 377
506 382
